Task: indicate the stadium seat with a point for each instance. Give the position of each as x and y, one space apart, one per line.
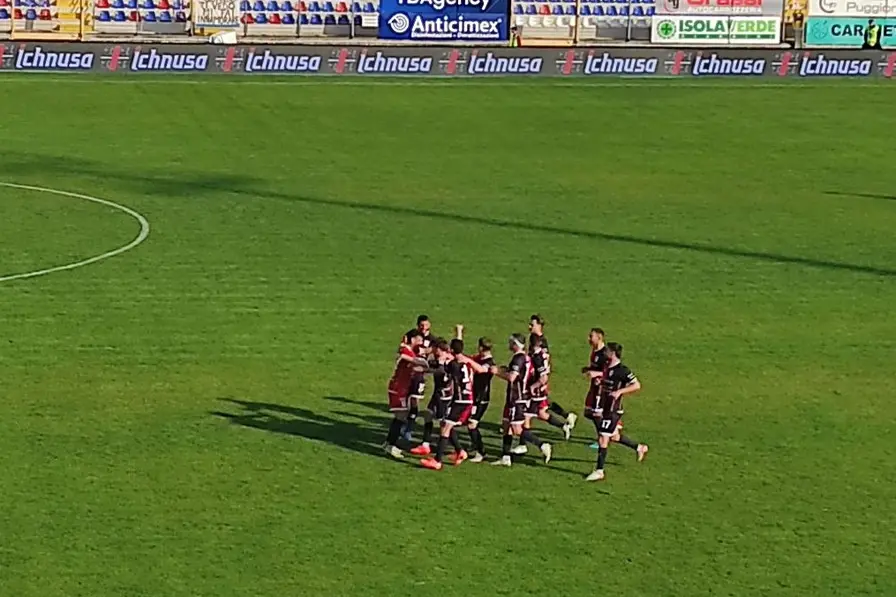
611 11
356 7
301 6
517 9
163 5
261 19
104 16
598 11
286 6
558 10
623 11
341 7
117 4
544 9
99 3
131 4
180 17
343 20
133 16
245 6
258 6
637 11
328 7
119 17
45 14
179 5
316 20
274 19
531 9
358 20
650 11
289 19
272 6
17 14
4 14
303 19
586 10
314 7
247 18
150 17
330 20
148 4
369 7
571 9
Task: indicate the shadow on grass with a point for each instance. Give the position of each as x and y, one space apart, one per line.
861 195
18 166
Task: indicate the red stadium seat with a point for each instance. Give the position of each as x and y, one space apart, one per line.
134 16
45 15
164 5
17 14
274 19
4 2
544 9
341 7
247 19
301 6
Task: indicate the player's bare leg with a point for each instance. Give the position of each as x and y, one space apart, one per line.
552 419
408 431
598 474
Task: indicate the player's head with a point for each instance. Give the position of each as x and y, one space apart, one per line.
516 343
442 349
596 337
423 324
536 324
413 338
613 350
485 345
536 344
457 346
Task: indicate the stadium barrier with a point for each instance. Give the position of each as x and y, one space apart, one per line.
845 23
480 22
440 62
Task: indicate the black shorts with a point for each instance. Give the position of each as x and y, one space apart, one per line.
609 424
438 407
458 414
535 406
418 387
515 413
478 411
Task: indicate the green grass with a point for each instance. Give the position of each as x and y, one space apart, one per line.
738 240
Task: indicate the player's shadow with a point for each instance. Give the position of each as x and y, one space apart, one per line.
301 422
861 195
179 183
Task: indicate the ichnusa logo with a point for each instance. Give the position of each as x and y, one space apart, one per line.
719 28
36 58
155 60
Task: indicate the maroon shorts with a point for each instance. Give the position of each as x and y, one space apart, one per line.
590 401
459 414
397 401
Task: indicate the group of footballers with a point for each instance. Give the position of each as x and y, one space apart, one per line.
462 393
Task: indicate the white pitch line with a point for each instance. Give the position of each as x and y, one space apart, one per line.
144 231
437 81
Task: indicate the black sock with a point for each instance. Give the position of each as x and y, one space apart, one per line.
601 458
412 418
394 431
628 442
440 449
530 437
556 408
505 445
427 431
555 421
476 440
522 440
454 442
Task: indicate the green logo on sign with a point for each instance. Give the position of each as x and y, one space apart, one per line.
666 29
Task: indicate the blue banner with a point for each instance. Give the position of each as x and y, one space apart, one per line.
445 20
847 32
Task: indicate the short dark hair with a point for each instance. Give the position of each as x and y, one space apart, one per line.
485 343
457 346
411 335
535 341
519 339
422 318
614 348
537 319
598 331
442 344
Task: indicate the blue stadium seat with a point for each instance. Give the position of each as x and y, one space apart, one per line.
289 19
531 10
104 16
316 20
571 9
517 9
303 19
586 10
119 17
623 11
369 7
117 4
30 15
258 6
178 5
343 20
558 10
180 17
150 17
148 4
328 7
358 20
330 20
611 11
314 7
598 11
245 6
273 6
356 7
287 6
131 4
637 11
650 11
260 19
165 17
4 14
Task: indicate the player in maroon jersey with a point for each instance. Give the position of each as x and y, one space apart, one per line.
459 389
407 365
517 375
418 388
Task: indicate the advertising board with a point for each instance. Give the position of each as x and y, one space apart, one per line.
208 60
445 20
846 32
769 8
715 30
852 8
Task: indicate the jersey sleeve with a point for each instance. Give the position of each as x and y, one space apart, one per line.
406 351
540 365
517 364
627 376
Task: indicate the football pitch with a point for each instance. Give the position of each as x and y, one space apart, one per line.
202 414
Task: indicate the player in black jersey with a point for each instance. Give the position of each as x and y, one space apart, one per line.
459 390
517 375
442 392
536 330
617 382
481 363
594 371
424 328
539 392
